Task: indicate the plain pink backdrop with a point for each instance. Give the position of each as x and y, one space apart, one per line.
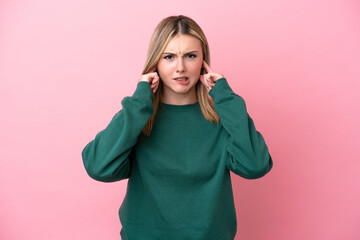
66 65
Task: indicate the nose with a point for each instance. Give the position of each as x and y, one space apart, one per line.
180 65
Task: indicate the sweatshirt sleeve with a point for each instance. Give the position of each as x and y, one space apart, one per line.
107 157
248 155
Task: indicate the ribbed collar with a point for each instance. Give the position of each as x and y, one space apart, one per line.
186 107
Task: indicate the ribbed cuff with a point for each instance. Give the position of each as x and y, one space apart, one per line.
220 89
143 89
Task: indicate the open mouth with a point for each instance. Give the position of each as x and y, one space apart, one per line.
182 79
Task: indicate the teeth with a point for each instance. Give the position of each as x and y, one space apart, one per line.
181 79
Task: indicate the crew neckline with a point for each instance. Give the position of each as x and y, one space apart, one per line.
180 107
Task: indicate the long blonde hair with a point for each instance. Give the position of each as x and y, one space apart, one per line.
163 33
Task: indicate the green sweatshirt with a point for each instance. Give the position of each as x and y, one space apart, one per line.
179 184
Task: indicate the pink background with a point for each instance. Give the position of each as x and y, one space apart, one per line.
66 65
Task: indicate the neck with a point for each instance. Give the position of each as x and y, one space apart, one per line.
179 98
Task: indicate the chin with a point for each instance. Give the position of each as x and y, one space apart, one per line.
182 91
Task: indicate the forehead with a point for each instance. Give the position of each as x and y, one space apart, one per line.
183 43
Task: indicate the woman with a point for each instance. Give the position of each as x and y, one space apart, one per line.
177 138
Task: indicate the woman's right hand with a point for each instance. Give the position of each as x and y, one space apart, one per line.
153 78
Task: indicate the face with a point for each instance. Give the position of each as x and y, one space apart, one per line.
179 67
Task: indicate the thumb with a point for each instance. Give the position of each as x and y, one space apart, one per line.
202 79
152 76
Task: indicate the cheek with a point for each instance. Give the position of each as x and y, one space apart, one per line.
164 67
164 71
196 67
161 69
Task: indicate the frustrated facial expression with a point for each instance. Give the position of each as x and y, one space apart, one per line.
179 67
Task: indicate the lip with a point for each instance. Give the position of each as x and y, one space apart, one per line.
181 81
180 77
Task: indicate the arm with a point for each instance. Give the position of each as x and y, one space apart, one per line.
107 157
248 155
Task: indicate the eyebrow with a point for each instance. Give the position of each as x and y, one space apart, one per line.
184 53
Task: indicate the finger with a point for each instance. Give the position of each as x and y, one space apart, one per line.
154 87
209 79
211 83
215 76
204 80
207 67
153 77
155 82
157 78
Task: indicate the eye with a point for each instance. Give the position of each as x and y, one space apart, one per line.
168 57
190 55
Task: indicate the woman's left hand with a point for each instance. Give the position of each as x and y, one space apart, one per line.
209 79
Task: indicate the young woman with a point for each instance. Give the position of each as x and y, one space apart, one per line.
176 139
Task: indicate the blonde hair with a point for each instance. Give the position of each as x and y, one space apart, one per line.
163 33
